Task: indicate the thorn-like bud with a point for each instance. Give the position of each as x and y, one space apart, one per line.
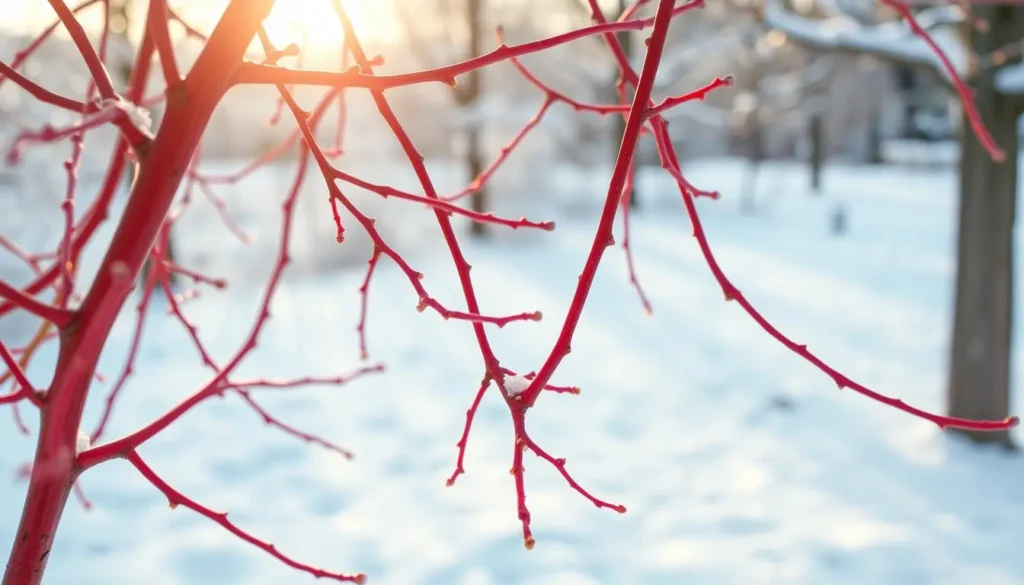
360 579
449 482
452 83
529 542
620 509
560 461
536 316
172 505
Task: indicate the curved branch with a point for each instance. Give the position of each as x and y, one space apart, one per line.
891 41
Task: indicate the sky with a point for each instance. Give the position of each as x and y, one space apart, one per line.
372 18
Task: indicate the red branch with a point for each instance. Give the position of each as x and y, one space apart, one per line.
176 498
962 89
153 206
464 439
57 316
364 301
270 420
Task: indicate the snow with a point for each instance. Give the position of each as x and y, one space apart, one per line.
516 385
140 117
82 442
738 462
1010 79
891 40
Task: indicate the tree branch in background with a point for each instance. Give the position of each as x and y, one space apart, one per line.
906 42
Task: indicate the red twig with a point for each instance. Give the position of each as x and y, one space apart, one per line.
962 89
364 301
266 74
57 316
158 22
698 95
25 390
225 215
307 380
479 181
443 205
176 498
669 161
129 363
81 497
559 464
198 278
25 53
288 429
626 248
602 239
40 93
92 61
464 439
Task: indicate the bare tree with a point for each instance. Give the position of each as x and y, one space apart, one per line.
979 378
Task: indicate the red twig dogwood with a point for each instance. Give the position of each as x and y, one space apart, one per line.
167 174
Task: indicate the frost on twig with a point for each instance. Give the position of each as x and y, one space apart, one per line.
516 385
82 442
140 117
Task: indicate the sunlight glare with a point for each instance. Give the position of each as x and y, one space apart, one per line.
291 20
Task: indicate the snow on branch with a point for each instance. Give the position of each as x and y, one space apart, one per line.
893 41
909 41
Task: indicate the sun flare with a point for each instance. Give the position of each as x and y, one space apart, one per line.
316 21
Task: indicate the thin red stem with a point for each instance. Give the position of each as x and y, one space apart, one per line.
92 60
364 301
464 439
271 420
175 498
56 315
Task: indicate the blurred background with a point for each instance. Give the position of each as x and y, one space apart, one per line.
858 210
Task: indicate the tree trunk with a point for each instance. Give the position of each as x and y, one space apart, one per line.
979 382
475 164
875 155
474 155
755 157
817 131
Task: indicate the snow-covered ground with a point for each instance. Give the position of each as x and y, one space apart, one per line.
739 463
